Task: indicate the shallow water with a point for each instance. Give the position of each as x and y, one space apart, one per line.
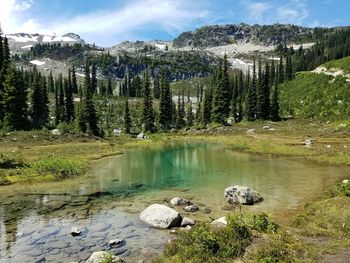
35 220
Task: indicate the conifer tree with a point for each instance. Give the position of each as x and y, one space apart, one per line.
6 56
69 102
221 98
275 105
36 102
90 88
46 101
189 114
61 102
109 87
251 97
14 101
157 88
207 103
127 119
147 110
165 104
51 83
57 103
74 81
180 116
280 71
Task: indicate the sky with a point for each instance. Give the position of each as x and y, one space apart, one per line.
108 22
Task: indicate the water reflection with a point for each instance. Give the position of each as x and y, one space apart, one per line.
35 220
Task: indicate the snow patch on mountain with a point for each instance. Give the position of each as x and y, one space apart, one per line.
27 47
37 62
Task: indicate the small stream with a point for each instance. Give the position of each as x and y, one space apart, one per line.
35 220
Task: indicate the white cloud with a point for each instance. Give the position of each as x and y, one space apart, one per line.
293 13
13 16
258 10
107 26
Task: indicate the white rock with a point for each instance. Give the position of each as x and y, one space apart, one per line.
180 201
98 257
75 231
241 195
346 181
329 146
309 141
267 127
140 136
117 132
161 216
186 221
187 228
114 242
56 132
221 222
251 131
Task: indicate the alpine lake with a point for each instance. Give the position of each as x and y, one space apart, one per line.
36 219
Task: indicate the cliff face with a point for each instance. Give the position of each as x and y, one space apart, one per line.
211 36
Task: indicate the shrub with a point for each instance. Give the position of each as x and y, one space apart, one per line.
58 167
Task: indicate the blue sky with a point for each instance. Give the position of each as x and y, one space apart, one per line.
108 22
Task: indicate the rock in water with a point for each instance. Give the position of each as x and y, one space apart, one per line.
242 195
191 208
100 256
180 201
75 231
161 216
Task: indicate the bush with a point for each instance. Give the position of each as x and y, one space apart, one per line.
277 249
58 167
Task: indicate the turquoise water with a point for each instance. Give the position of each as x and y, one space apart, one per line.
35 220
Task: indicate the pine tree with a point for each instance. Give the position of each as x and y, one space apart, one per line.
157 88
165 104
147 110
180 116
14 101
61 102
6 56
36 102
251 97
51 83
93 79
221 99
74 81
275 108
109 87
57 104
189 114
45 107
90 88
207 104
280 76
69 102
127 119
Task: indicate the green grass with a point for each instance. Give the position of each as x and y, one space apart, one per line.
59 168
343 64
205 243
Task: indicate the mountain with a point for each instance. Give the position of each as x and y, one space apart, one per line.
22 41
220 35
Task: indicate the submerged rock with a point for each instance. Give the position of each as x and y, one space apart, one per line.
242 195
100 256
75 231
116 242
161 216
191 208
180 201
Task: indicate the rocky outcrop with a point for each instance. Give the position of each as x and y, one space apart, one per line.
242 195
220 35
221 222
100 256
161 216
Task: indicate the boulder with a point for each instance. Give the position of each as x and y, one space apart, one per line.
250 131
267 127
140 136
221 222
117 132
180 201
116 242
346 181
186 221
191 208
161 216
100 256
75 231
242 195
56 132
